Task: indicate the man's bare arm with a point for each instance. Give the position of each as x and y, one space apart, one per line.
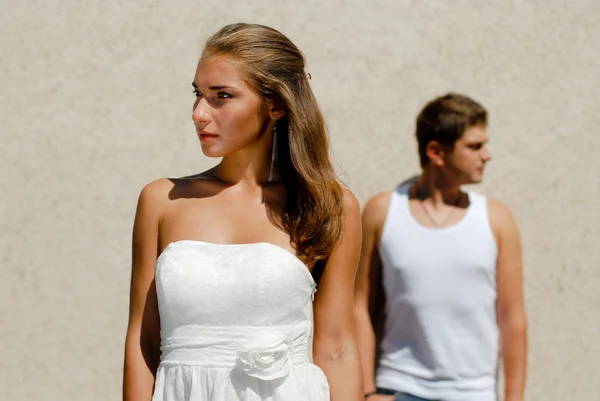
512 319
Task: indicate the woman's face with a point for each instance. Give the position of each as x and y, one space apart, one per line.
228 115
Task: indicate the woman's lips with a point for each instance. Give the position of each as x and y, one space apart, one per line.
206 136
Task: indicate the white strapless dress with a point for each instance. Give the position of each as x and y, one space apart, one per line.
236 324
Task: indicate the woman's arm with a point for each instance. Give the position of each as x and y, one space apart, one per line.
334 346
142 344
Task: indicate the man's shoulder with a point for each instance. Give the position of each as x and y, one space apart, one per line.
501 217
376 209
379 200
495 207
498 209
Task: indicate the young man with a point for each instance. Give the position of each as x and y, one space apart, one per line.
444 267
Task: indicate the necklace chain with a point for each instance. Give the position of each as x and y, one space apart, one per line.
429 216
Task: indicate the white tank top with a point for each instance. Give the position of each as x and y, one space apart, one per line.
440 337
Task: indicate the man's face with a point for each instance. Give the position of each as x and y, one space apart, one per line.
466 161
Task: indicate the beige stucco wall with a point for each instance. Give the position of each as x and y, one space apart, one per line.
95 102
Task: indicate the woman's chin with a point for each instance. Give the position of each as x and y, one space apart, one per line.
211 151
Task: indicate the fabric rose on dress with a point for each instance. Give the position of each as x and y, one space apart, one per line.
267 356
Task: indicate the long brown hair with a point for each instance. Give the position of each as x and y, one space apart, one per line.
273 67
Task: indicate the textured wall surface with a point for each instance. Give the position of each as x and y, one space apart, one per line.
95 101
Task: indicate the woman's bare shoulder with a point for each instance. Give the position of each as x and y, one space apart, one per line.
351 204
163 190
157 191
152 202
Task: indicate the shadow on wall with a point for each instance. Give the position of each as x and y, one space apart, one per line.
410 180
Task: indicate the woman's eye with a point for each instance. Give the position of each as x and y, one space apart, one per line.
224 95
197 93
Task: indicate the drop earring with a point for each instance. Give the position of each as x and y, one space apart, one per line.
273 154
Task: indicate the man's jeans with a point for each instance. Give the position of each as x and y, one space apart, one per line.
401 396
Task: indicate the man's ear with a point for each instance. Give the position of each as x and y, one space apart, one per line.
435 152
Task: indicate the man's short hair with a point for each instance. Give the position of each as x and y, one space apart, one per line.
445 119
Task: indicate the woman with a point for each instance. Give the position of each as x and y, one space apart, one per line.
227 257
